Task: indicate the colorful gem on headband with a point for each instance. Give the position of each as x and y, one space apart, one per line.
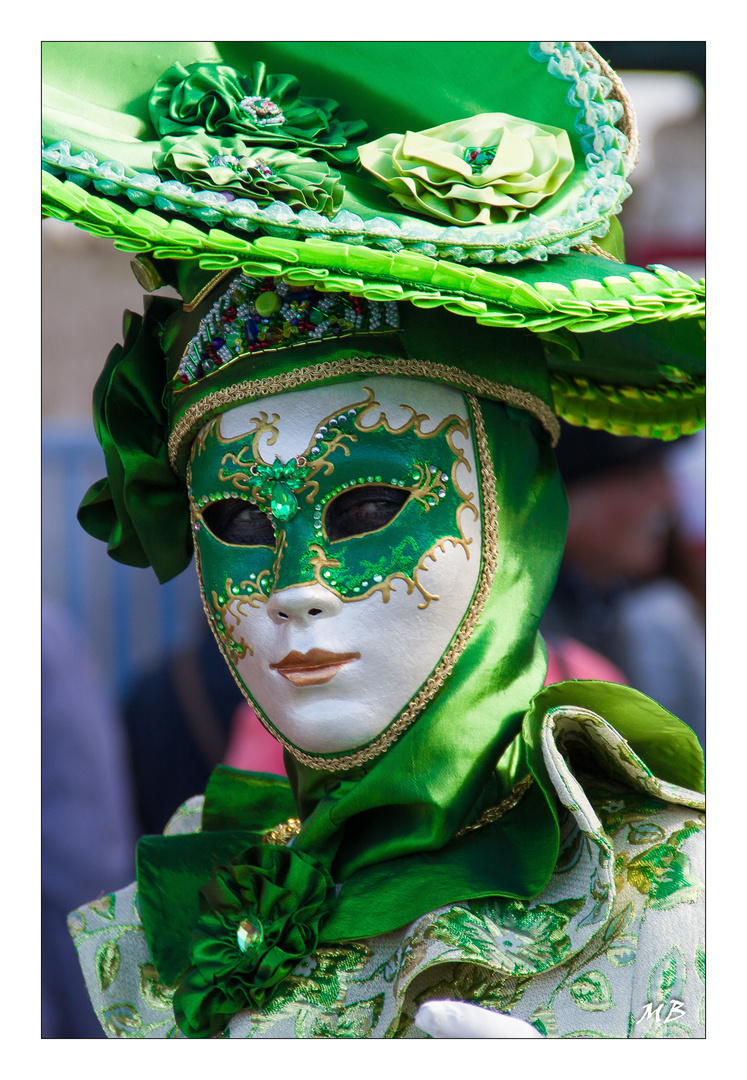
255 314
479 157
262 111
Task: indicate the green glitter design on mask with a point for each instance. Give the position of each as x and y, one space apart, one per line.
358 565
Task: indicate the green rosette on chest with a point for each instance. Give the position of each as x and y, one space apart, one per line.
259 917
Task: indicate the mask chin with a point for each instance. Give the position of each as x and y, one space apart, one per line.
341 628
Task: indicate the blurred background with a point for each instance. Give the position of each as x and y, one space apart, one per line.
138 705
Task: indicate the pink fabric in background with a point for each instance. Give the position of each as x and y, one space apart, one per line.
569 659
250 745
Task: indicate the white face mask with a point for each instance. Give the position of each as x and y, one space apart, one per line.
339 546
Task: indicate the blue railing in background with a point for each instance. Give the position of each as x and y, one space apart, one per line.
130 621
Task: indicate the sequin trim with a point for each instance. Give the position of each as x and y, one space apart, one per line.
254 315
283 832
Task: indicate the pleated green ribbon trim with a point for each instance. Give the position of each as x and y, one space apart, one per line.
623 294
577 294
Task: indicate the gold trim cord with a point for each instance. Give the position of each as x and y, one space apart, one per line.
495 812
220 400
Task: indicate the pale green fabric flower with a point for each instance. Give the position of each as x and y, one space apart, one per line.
485 170
262 173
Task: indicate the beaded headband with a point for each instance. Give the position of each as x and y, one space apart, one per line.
258 314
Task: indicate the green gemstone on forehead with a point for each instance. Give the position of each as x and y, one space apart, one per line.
283 503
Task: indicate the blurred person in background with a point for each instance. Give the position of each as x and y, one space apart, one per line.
615 592
183 718
88 830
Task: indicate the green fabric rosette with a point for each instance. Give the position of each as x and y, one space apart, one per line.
259 917
140 509
244 171
217 99
485 170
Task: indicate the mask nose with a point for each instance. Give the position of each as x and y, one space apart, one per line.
302 605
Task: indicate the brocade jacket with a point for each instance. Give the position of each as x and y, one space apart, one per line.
612 948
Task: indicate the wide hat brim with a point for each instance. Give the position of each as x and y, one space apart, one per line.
553 271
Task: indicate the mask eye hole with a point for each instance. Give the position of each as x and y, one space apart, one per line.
237 521
363 509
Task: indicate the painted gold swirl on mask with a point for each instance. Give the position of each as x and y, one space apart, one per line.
446 665
316 374
234 604
319 561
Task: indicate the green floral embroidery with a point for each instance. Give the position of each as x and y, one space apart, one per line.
526 939
477 984
104 906
125 1022
591 991
645 834
622 808
670 1029
354 1021
621 950
399 965
108 959
600 894
544 1020
153 990
319 980
122 1020
700 960
663 874
76 923
667 980
572 847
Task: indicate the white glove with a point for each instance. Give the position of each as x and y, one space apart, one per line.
460 1020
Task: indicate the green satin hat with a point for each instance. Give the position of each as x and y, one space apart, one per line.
466 191
480 178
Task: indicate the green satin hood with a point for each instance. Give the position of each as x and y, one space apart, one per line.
441 772
460 806
461 756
